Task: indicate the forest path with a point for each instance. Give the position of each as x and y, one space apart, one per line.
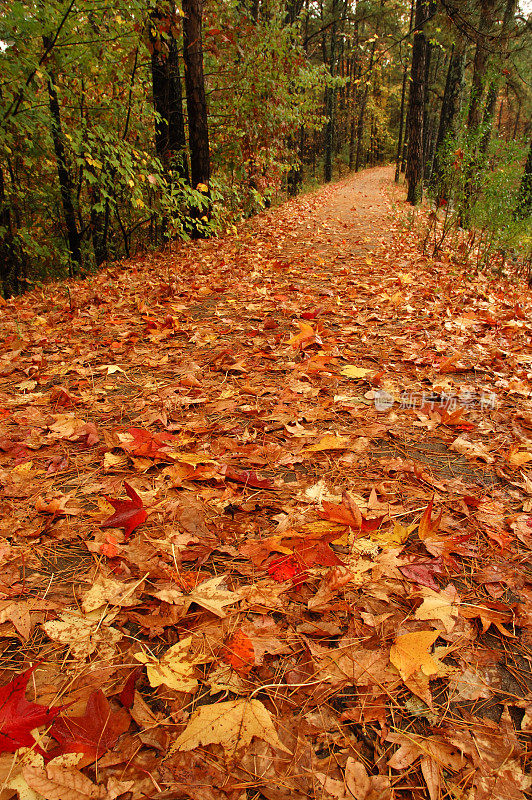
350 216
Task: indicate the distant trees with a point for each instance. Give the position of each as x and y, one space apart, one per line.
124 125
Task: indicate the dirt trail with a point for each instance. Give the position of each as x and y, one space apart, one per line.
352 215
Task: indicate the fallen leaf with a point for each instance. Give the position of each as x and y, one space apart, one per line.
350 371
18 716
232 724
93 733
409 654
174 669
129 514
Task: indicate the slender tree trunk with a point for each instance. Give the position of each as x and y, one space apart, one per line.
65 180
362 112
524 202
480 63
198 131
414 164
330 97
450 109
399 155
401 127
11 259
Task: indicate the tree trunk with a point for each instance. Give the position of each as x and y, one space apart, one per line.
170 137
11 260
480 63
399 156
198 131
362 112
416 104
65 180
330 97
450 109
524 203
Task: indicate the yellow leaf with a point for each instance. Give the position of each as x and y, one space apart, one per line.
202 187
330 441
409 653
306 332
398 535
518 457
232 725
350 371
207 595
192 458
174 669
440 606
405 278
109 591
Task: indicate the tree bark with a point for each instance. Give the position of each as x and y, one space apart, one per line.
524 202
450 109
170 137
402 126
416 104
198 130
330 97
65 180
11 259
362 112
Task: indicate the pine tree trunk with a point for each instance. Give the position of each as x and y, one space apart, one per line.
362 113
170 138
330 97
198 131
11 259
402 127
65 181
414 163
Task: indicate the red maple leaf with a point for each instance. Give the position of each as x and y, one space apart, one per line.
18 716
128 513
94 733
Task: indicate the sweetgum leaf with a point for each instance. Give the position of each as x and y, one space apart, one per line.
18 717
129 514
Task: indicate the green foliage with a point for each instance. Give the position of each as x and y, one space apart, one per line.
479 192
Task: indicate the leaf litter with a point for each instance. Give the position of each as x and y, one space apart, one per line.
225 571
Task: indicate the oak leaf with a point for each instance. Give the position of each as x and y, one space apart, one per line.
232 724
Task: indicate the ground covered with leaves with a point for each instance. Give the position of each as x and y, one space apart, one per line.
267 520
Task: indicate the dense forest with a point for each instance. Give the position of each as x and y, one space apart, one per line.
124 125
